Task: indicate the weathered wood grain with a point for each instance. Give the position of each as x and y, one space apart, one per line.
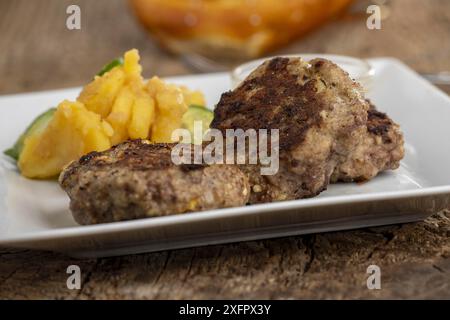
414 262
37 52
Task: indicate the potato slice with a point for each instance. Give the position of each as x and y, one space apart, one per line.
143 115
193 97
99 95
155 85
72 132
170 107
131 65
120 115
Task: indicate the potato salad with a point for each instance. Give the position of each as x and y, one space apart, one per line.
116 106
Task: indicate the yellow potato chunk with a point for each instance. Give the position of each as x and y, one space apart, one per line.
120 115
72 132
131 65
193 97
172 102
143 115
170 107
99 95
155 85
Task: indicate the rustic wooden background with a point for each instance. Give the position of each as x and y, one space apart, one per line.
37 52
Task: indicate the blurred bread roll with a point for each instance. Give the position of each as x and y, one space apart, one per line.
232 29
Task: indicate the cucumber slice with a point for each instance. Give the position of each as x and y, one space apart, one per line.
115 63
197 113
38 125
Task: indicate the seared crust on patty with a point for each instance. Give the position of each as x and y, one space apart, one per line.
137 179
276 95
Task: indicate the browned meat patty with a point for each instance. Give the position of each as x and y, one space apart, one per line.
322 117
379 149
137 179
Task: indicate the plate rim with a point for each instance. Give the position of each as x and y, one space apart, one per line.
201 216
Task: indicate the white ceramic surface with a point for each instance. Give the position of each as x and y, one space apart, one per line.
35 214
358 69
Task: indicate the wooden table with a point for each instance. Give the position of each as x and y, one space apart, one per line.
37 52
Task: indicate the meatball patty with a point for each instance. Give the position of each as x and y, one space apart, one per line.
137 179
320 113
328 131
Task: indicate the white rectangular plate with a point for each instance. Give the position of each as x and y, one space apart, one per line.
35 214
